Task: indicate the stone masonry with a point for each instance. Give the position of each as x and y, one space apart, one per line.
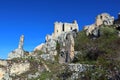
60 27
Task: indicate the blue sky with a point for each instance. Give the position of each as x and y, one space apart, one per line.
35 19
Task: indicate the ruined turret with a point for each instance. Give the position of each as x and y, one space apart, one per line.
21 42
19 52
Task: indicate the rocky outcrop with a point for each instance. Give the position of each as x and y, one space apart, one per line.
11 68
14 68
78 68
93 30
105 19
39 47
3 63
19 68
19 52
49 47
2 73
66 42
48 57
16 53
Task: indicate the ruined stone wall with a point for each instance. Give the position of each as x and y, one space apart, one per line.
57 29
104 18
60 27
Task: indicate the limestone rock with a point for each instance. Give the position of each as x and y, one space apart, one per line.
105 19
47 57
77 67
89 29
32 76
48 37
49 47
66 42
64 34
2 73
19 68
70 45
14 68
19 52
16 53
39 47
93 29
51 44
3 63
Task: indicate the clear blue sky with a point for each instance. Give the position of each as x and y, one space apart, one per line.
35 19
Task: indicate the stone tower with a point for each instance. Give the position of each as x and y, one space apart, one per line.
60 27
20 46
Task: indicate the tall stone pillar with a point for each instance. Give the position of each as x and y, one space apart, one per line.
20 46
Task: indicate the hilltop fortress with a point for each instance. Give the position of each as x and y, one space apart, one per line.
63 34
59 48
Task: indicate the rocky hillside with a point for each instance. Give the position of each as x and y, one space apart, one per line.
90 54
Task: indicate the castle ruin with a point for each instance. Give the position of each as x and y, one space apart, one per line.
60 27
105 19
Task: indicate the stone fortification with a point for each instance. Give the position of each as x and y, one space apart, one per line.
64 35
60 27
101 19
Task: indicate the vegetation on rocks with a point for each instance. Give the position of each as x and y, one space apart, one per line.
102 52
